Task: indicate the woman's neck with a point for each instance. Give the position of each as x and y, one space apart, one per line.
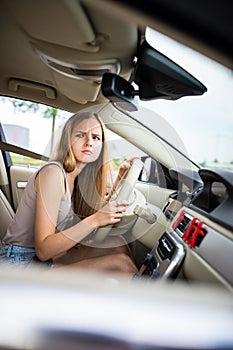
73 174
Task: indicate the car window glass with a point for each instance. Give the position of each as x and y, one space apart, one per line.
203 123
37 127
30 126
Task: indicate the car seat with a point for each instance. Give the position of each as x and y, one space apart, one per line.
6 214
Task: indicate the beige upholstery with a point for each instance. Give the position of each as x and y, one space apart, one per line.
6 214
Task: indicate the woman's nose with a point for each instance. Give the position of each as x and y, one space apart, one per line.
89 140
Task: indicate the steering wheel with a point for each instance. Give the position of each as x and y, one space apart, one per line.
125 190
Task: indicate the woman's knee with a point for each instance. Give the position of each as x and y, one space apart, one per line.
125 263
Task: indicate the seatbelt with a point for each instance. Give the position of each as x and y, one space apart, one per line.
8 147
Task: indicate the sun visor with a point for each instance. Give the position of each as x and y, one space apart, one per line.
71 26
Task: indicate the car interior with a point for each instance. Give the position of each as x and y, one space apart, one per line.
93 55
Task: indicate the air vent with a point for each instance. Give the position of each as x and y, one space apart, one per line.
190 229
182 222
195 233
183 225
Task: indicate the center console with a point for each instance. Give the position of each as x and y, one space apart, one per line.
165 259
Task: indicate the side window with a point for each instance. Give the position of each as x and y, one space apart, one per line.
30 126
120 149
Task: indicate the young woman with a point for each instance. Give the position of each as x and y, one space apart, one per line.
65 202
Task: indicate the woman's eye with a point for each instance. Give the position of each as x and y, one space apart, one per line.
97 138
79 135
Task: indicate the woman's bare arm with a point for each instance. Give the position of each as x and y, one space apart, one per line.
50 188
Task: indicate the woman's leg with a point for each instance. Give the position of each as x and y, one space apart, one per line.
118 262
16 256
113 256
111 245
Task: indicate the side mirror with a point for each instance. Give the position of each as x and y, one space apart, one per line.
119 91
149 171
146 171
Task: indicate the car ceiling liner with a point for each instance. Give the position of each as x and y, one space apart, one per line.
156 76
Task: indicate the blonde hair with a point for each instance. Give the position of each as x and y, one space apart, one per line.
91 184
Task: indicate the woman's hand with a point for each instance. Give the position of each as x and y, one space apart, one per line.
109 214
124 167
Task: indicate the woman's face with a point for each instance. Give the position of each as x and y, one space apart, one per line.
86 140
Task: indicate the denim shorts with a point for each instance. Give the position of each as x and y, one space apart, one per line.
14 255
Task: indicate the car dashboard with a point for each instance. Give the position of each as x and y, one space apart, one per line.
197 244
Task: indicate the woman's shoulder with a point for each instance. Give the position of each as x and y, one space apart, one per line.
53 168
52 165
50 175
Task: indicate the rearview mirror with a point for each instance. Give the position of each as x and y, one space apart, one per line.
119 91
156 76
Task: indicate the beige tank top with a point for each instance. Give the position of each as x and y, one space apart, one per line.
21 230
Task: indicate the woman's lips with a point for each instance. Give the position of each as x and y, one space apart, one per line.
87 151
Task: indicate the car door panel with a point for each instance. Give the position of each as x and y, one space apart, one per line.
19 176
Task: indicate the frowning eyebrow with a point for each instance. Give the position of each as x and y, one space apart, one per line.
85 132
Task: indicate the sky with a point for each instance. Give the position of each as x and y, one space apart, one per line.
205 123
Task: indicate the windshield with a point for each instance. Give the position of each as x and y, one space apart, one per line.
203 123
